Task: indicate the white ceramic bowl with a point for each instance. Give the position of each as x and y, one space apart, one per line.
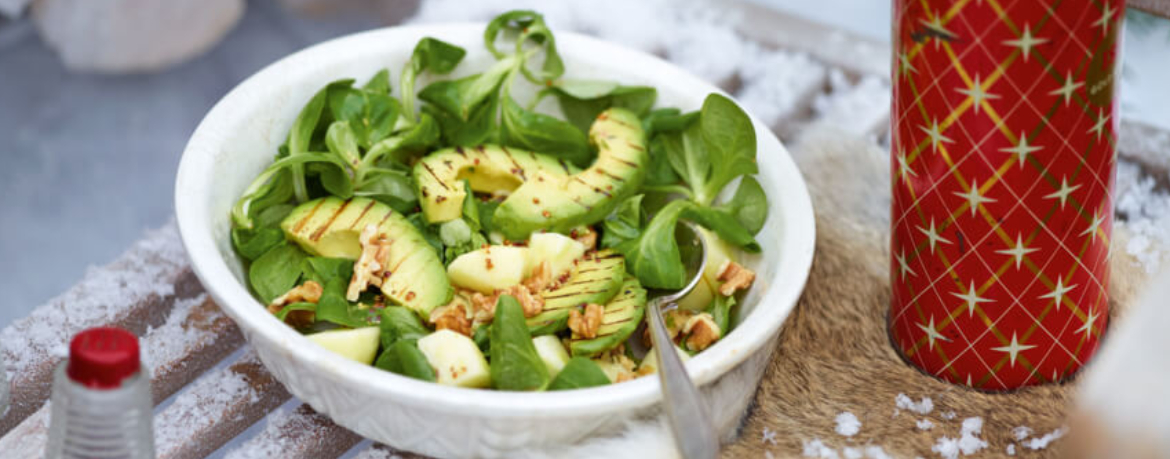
238 138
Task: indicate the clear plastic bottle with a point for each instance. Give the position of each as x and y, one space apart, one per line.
101 405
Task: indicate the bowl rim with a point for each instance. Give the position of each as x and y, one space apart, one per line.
193 182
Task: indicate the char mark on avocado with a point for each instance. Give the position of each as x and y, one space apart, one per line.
635 146
363 214
433 174
304 221
321 230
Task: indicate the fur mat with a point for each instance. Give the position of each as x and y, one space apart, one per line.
834 356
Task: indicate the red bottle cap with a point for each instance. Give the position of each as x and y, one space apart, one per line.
103 357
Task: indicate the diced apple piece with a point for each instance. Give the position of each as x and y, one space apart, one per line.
359 344
552 352
558 250
718 253
456 359
490 268
650 361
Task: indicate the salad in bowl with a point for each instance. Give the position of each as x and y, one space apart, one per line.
462 233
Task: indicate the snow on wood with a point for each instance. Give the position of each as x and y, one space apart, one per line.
195 336
216 408
134 292
861 108
300 433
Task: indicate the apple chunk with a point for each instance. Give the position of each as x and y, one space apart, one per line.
490 268
359 344
456 359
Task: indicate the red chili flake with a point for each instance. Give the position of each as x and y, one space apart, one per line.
546 214
409 296
439 199
489 263
536 200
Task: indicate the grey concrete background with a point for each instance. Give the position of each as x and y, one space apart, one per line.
88 162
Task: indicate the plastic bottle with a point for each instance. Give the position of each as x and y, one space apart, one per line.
101 404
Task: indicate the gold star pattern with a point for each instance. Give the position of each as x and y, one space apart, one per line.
1099 127
977 93
933 235
1063 193
1094 226
1014 349
1106 19
1058 293
1019 251
1087 328
932 333
973 198
1068 89
1026 42
972 298
936 136
903 266
1022 149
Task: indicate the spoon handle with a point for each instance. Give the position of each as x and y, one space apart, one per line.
684 405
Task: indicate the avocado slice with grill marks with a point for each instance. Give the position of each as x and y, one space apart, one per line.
596 278
621 317
330 227
487 168
558 203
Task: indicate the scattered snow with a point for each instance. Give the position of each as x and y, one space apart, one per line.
1044 441
775 83
200 404
816 448
769 436
1011 450
861 108
848 424
1021 432
949 415
923 407
924 424
375 452
105 295
967 444
173 340
1145 212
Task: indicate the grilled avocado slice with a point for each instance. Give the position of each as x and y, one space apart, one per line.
330 227
596 279
558 203
487 168
622 315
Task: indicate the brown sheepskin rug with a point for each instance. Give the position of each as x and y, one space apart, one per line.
834 357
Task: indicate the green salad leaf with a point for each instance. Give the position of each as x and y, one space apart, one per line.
724 224
430 54
372 116
582 101
252 243
624 224
720 310
749 205
399 323
515 363
334 308
528 28
379 83
654 256
579 373
730 139
404 358
276 272
534 131
288 309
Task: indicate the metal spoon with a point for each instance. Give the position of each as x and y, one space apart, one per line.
685 409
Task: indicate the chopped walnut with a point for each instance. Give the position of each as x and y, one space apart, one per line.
623 366
701 331
586 325
588 237
734 277
452 317
540 279
484 306
370 267
308 292
675 319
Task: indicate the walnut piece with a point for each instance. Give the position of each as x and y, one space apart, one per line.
540 279
586 325
588 237
700 332
484 306
369 269
451 317
308 292
734 277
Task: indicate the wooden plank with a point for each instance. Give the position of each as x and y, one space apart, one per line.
216 408
195 337
852 53
298 434
1155 7
137 291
